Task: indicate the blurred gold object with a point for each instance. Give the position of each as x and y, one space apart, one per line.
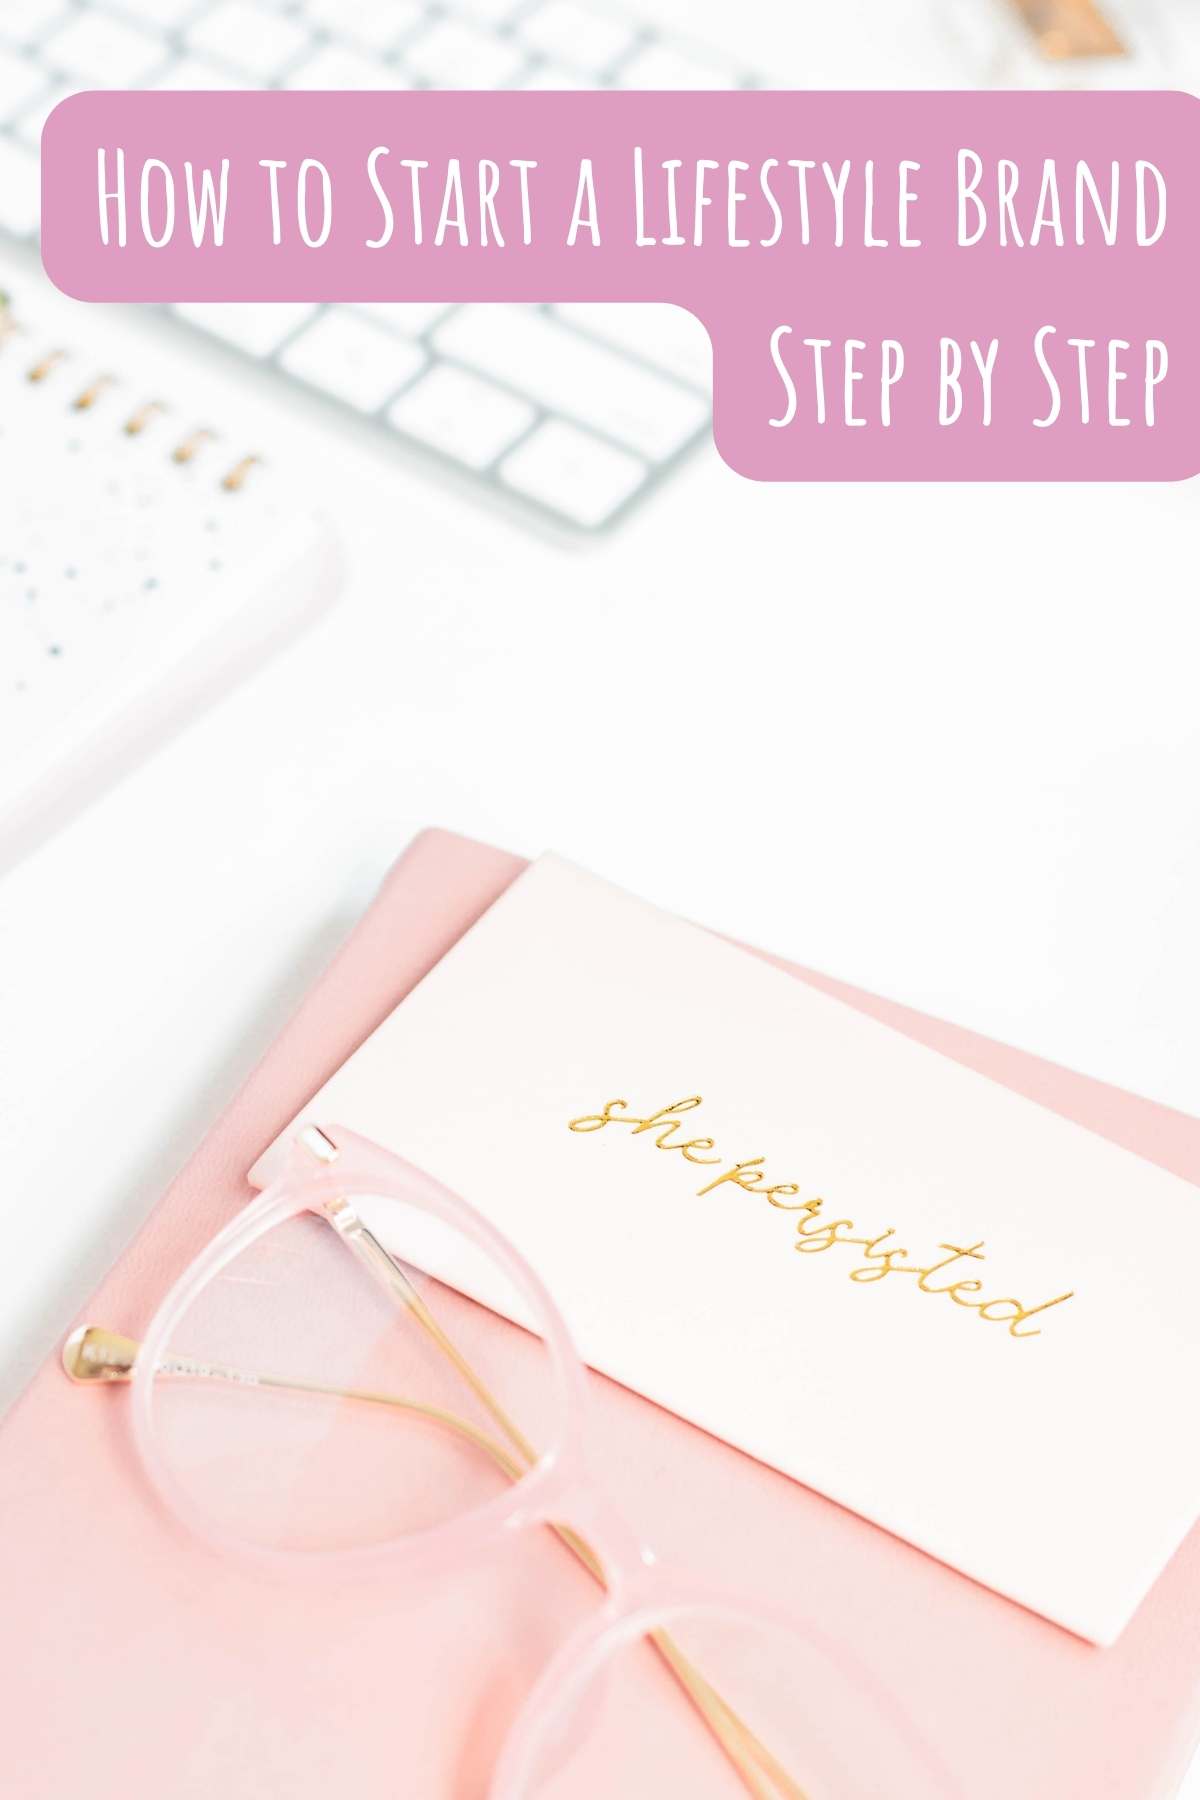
43 366
186 451
138 421
91 393
236 478
1069 29
94 1354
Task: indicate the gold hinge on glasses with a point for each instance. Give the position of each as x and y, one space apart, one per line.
93 1354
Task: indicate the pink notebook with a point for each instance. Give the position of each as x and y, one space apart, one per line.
137 1663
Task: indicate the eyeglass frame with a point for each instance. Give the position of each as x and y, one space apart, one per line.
326 1165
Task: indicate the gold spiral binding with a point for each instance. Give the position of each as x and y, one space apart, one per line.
138 420
236 477
84 401
185 451
45 365
135 422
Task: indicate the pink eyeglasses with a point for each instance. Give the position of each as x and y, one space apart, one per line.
322 1389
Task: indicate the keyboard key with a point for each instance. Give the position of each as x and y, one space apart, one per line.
490 12
462 415
255 326
353 359
99 51
191 72
567 373
660 66
337 66
165 14
576 35
27 21
452 54
573 473
549 78
409 317
662 334
375 24
20 188
20 80
258 43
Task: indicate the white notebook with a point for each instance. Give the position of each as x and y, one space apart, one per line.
961 1315
147 557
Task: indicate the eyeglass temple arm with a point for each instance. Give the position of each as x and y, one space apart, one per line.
734 1736
94 1355
385 1270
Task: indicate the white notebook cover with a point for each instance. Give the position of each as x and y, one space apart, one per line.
147 556
1046 1455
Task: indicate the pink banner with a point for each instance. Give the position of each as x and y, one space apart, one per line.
935 286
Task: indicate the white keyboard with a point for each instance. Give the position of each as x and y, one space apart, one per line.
574 412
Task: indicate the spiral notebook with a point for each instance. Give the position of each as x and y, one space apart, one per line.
147 556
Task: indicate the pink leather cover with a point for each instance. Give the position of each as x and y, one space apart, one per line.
137 1663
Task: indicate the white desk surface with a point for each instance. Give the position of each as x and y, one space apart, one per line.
943 742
